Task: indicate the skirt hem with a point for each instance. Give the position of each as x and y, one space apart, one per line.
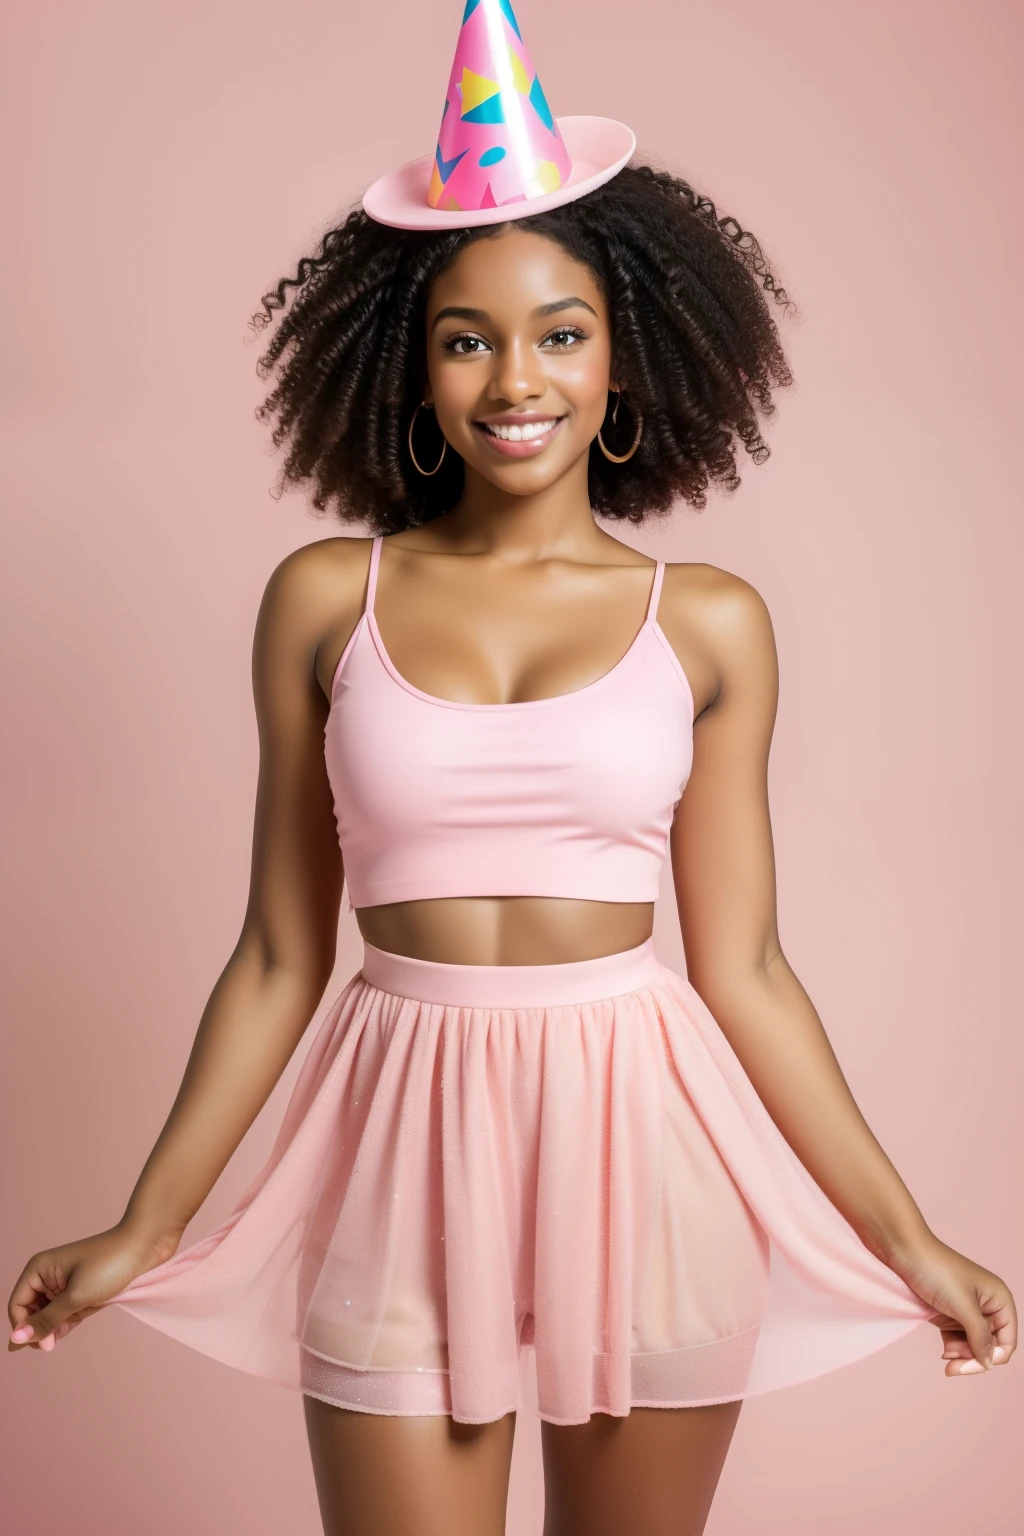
523 1405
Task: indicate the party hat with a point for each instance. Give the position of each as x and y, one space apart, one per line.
499 142
500 153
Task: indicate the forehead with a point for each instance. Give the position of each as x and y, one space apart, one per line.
513 271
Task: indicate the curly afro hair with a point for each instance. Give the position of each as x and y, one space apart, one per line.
693 336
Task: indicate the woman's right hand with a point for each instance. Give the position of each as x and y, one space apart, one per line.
62 1286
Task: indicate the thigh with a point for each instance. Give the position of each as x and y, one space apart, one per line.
654 1470
408 1475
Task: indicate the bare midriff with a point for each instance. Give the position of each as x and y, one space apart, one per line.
506 930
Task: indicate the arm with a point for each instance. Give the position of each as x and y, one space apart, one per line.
268 990
724 874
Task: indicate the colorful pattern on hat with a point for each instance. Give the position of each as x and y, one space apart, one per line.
499 142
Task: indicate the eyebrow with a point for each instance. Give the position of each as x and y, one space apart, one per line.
460 312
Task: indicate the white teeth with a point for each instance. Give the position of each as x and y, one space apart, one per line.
524 434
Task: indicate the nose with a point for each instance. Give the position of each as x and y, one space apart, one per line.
517 374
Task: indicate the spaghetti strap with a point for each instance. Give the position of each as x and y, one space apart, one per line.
371 580
652 606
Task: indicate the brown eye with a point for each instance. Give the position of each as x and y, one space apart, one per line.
564 336
464 346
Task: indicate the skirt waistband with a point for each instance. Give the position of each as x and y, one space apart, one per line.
511 986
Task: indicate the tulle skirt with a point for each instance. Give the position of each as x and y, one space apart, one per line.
544 1187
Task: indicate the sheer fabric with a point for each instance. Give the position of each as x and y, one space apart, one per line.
567 1199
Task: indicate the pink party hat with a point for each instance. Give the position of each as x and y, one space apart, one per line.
498 142
500 151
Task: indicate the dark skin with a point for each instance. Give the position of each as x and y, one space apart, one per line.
515 594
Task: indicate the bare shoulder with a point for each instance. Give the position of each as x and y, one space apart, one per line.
312 596
719 626
327 572
316 585
713 605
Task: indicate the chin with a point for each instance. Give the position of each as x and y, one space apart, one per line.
516 483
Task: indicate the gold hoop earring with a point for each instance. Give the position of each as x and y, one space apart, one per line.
620 458
412 452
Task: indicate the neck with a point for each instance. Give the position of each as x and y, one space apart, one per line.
556 521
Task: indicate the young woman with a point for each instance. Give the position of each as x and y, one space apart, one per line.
518 1139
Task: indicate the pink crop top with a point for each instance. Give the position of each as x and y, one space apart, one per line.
565 796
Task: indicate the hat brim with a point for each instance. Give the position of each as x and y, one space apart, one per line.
597 146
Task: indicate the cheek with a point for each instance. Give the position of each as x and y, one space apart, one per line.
584 380
454 388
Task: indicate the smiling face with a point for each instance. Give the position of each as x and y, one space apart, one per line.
518 360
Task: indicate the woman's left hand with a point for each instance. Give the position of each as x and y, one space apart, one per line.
977 1317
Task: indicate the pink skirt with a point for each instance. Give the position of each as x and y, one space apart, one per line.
547 1187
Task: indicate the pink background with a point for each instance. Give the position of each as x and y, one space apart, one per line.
165 164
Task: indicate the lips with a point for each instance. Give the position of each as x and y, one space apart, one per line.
521 436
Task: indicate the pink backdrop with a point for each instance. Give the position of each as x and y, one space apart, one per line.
164 165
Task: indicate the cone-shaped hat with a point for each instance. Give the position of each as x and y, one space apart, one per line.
500 151
498 141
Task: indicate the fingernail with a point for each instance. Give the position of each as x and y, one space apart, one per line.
970 1368
48 1342
999 1353
20 1335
